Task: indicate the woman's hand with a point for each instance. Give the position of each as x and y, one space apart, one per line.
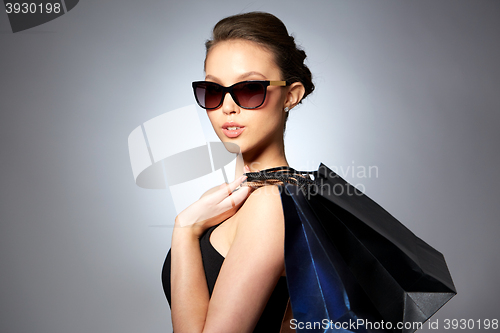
214 207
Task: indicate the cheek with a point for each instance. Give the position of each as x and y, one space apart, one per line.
215 123
212 118
275 99
272 110
268 122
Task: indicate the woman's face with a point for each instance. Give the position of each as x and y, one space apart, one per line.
234 61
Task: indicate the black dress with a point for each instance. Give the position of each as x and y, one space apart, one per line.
270 320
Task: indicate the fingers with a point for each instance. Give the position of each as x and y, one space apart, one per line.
246 169
238 197
227 189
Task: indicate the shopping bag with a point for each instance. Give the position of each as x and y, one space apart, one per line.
353 267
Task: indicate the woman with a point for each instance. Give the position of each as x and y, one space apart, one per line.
241 233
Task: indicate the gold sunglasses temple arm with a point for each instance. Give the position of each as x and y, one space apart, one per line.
277 83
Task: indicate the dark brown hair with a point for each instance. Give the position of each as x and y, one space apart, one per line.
268 31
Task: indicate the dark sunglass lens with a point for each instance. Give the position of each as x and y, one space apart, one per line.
249 94
208 95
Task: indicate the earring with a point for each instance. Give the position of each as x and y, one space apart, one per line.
286 109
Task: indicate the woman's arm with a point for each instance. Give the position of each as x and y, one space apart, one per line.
252 267
188 283
189 291
247 277
188 278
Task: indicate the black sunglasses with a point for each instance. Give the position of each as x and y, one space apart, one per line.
246 94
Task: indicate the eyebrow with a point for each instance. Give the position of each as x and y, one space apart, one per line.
245 75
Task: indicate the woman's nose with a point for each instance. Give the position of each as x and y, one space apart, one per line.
228 104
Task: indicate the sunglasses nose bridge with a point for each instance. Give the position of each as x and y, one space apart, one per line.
228 104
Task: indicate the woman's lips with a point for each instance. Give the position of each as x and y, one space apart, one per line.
233 133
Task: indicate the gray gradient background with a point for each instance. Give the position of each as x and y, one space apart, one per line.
412 87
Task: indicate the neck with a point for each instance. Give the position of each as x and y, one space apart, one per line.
270 158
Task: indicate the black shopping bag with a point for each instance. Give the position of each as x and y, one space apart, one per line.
351 266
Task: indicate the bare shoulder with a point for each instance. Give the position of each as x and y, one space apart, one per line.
262 213
264 198
260 232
